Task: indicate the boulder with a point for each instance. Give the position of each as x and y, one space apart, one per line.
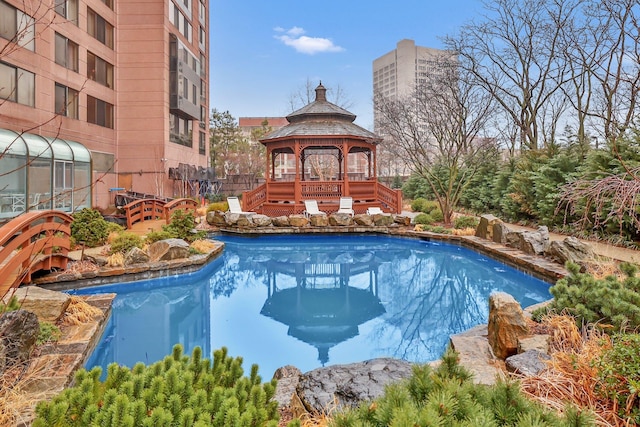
500 231
168 249
334 387
260 220
529 363
280 221
48 306
245 220
530 242
216 218
534 342
319 220
485 227
402 220
19 332
340 219
382 220
507 324
288 378
135 255
474 354
231 219
363 219
570 249
298 221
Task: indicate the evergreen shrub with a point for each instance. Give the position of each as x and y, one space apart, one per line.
156 236
608 302
182 226
90 227
446 396
424 219
218 206
126 241
177 391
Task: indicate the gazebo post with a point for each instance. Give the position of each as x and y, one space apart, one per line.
297 194
345 174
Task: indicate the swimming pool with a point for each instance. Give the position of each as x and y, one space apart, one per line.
312 300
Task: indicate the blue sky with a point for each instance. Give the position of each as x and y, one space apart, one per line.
263 51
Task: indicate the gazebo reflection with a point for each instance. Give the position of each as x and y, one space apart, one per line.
323 309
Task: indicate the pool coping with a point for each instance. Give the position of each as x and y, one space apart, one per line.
538 266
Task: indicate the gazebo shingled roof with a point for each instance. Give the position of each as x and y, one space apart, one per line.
321 117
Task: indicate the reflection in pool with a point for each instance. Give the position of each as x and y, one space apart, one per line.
310 300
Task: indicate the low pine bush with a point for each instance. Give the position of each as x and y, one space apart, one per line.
446 396
424 219
609 302
182 226
177 391
465 222
218 206
90 227
125 241
156 236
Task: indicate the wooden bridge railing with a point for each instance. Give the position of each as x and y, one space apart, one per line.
33 241
143 210
185 204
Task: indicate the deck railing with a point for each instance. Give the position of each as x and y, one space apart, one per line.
33 241
279 197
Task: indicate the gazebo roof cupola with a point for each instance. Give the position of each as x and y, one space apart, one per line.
320 118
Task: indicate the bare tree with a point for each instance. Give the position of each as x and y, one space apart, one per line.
438 130
514 54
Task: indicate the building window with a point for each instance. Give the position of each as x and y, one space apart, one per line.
202 12
99 112
99 28
16 26
67 9
203 39
109 3
180 130
17 85
202 144
66 101
99 70
180 21
66 53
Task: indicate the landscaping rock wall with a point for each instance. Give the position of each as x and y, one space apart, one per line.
250 220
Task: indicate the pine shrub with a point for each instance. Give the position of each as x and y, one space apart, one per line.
126 241
424 219
465 222
609 302
90 227
446 396
156 236
176 391
218 206
182 226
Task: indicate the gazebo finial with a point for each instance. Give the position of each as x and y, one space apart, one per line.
321 92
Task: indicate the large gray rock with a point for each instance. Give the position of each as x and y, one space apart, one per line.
363 219
288 378
216 218
474 354
500 231
320 220
507 324
168 249
340 219
402 219
485 227
280 221
48 306
322 389
570 249
530 242
298 221
136 255
529 363
18 336
260 220
382 220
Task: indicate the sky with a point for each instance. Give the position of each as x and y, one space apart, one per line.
263 52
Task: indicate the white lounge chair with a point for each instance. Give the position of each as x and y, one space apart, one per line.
235 207
346 205
374 210
311 208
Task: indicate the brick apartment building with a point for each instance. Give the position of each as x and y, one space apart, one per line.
97 95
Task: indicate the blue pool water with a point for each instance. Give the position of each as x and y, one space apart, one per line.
312 300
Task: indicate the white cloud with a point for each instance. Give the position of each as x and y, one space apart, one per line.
310 45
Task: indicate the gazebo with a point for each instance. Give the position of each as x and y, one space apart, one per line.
329 157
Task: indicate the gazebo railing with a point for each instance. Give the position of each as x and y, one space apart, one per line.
321 190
